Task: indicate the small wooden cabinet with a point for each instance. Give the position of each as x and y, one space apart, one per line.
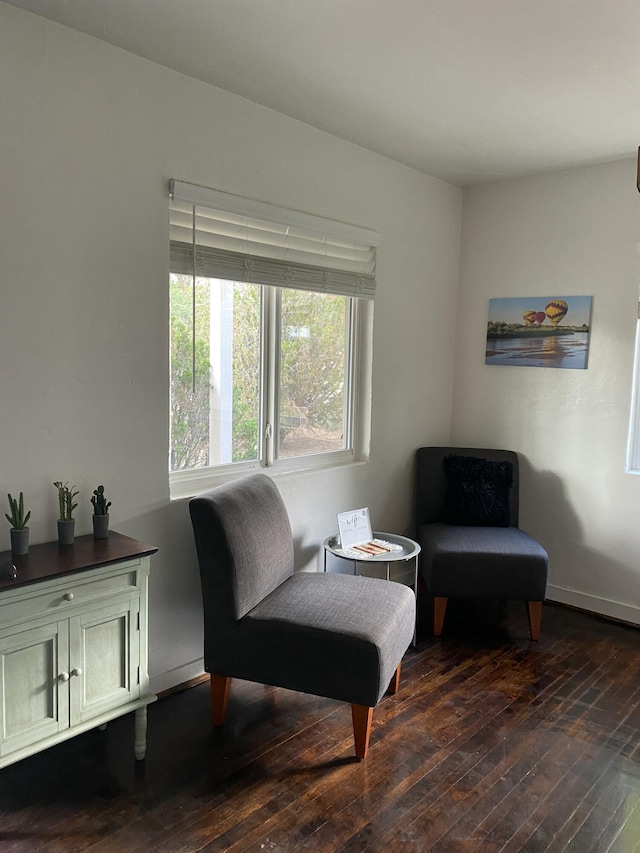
73 642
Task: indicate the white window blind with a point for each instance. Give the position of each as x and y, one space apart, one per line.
217 235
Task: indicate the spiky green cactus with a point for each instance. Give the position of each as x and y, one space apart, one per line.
65 500
100 504
18 520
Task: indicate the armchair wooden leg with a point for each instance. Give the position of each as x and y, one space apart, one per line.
220 685
394 684
439 609
362 716
535 618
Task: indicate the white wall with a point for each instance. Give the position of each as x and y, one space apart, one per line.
560 234
89 137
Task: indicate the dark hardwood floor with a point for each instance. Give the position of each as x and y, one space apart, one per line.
493 743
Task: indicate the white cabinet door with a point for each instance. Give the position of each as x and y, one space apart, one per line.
66 672
34 693
104 657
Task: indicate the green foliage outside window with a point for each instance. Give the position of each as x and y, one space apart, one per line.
312 372
189 404
246 372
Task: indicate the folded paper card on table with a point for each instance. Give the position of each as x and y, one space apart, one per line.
356 536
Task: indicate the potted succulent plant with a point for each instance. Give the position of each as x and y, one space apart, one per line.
66 522
18 521
100 513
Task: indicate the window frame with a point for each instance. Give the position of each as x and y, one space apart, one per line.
330 457
358 362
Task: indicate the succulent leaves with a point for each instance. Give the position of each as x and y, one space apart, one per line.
65 500
100 504
18 520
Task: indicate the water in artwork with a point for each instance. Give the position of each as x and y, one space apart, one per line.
569 351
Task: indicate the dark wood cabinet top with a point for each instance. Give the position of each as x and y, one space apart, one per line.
49 560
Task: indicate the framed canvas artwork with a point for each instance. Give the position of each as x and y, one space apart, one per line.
539 331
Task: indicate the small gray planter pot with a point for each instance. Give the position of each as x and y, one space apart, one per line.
19 541
101 526
66 529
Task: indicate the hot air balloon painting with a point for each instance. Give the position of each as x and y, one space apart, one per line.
539 331
556 310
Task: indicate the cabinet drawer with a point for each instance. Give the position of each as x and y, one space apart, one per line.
64 595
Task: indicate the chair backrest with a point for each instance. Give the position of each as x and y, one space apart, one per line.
431 482
244 544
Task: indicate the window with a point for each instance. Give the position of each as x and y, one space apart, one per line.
270 337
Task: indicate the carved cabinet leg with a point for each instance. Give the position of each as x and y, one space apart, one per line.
140 740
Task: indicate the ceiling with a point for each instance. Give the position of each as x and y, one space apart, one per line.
466 90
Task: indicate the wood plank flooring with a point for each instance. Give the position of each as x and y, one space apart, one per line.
493 743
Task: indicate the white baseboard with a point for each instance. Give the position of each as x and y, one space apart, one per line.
162 681
602 606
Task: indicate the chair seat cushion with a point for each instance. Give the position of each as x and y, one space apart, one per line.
482 562
332 635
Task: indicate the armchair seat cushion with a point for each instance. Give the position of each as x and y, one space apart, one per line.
482 562
332 635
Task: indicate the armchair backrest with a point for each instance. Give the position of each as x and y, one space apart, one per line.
431 482
244 544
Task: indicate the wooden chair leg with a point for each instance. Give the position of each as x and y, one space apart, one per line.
439 609
220 685
394 684
362 716
535 618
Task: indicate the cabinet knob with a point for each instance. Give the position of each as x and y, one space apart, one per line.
64 676
76 671
68 596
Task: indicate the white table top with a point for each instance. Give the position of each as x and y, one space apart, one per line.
408 549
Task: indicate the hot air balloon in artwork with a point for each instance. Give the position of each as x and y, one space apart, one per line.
540 317
529 317
556 310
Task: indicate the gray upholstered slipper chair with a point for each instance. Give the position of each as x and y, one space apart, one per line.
331 635
467 525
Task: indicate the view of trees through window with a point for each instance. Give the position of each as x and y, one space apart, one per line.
313 338
215 412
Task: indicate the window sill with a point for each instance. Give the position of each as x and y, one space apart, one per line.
185 485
